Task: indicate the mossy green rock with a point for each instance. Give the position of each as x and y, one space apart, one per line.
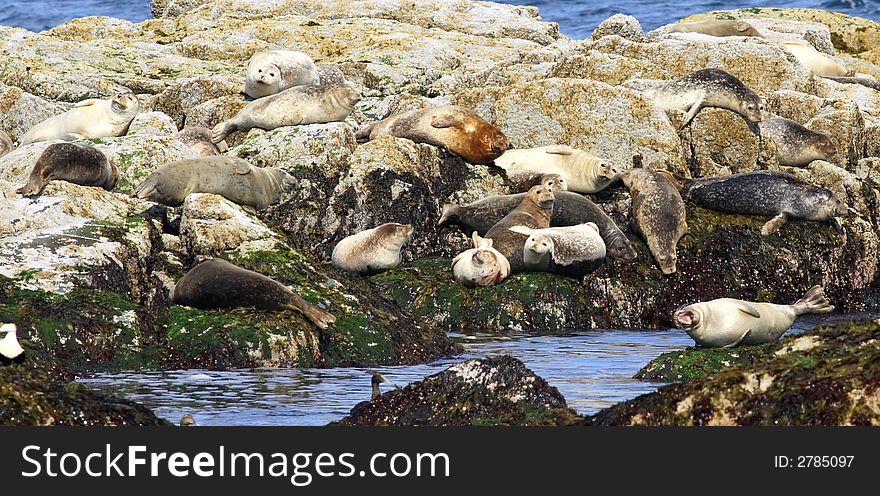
828 376
34 392
693 363
492 391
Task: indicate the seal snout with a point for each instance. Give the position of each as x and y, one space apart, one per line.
686 318
500 144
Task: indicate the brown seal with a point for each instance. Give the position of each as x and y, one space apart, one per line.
198 139
455 129
216 283
533 211
658 213
75 163
5 143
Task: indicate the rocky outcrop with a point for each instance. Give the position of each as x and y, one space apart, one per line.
33 391
829 376
491 391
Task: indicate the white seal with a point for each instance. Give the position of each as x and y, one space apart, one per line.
88 119
9 346
481 265
582 172
274 71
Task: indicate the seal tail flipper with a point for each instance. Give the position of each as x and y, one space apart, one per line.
363 135
739 340
317 316
813 302
449 214
32 187
774 224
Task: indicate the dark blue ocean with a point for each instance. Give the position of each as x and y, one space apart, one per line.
577 18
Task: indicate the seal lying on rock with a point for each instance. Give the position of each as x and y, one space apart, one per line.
455 129
658 213
198 139
311 104
582 172
373 250
9 345
72 162
232 178
5 143
533 211
569 251
716 27
769 193
797 145
708 88
481 265
727 322
87 119
569 209
819 63
274 71
867 82
216 283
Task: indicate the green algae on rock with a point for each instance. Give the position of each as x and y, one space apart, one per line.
694 363
33 391
829 376
491 391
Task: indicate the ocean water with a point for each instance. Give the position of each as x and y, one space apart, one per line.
576 18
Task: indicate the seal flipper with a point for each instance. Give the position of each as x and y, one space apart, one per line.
559 150
748 309
833 222
444 121
774 224
222 130
692 112
363 135
317 316
738 341
449 214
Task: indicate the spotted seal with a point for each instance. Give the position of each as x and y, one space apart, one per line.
797 145
708 88
481 265
274 71
570 251
372 250
533 211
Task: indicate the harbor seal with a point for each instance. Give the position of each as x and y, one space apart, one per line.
198 139
525 182
570 251
330 75
708 88
569 209
796 145
72 162
582 172
216 283
188 421
717 27
88 119
819 63
315 104
9 345
455 129
5 143
232 178
767 193
373 250
728 322
533 211
658 213
864 81
274 71
481 265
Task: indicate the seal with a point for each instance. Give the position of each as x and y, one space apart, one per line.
796 145
658 213
708 88
232 178
524 182
481 265
864 81
719 28
72 162
315 104
9 345
188 421
198 139
330 75
728 322
819 63
767 193
274 71
86 120
373 250
533 211
570 251
216 283
582 172
569 209
5 143
454 129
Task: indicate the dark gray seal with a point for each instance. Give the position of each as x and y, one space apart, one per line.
569 209
533 211
767 193
216 283
709 88
75 163
796 145
658 213
232 178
